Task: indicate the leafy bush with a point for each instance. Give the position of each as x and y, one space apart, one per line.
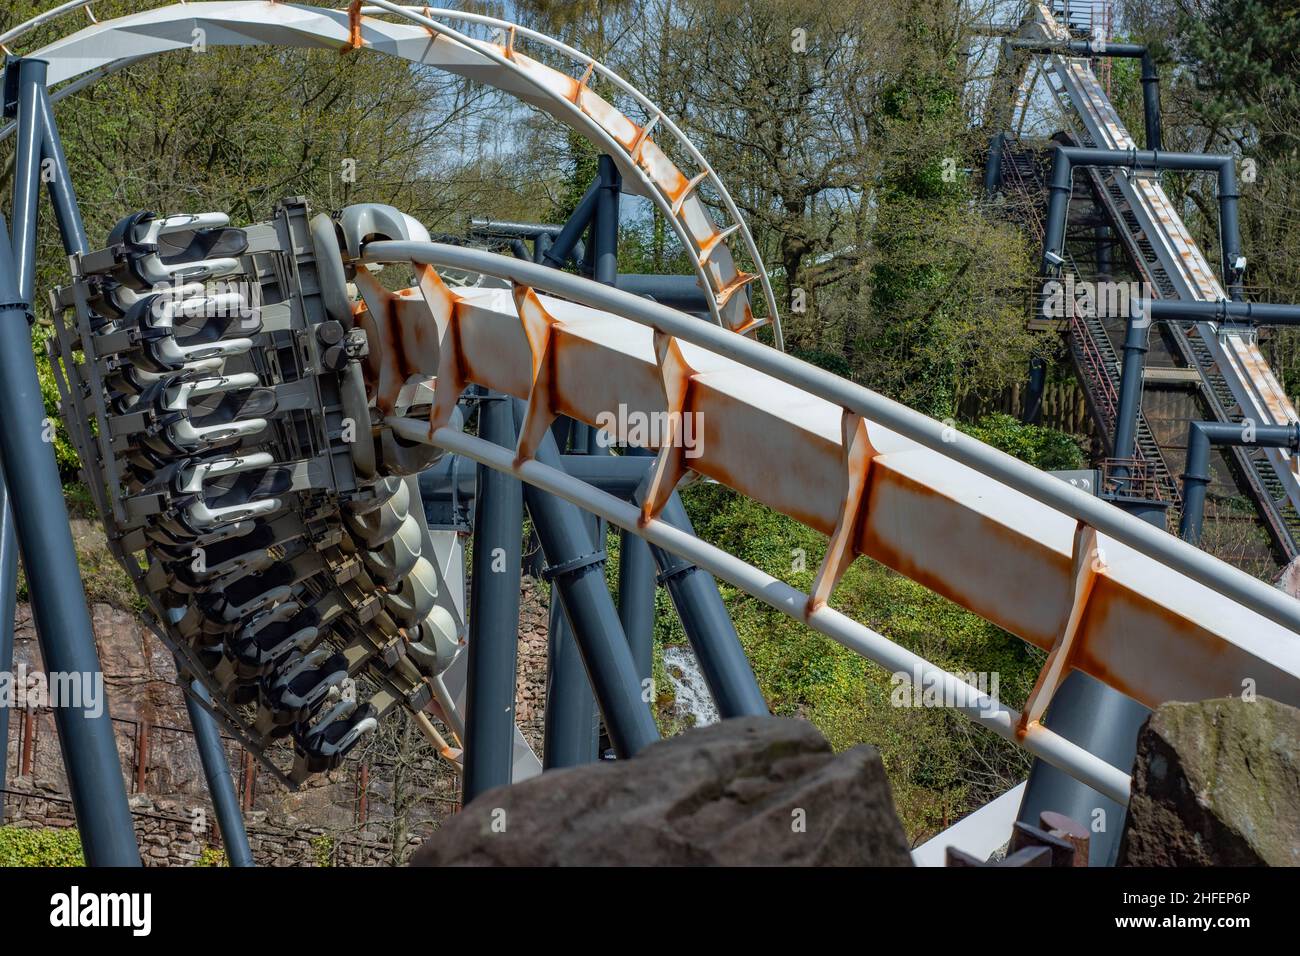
22 846
322 849
1044 448
212 856
64 453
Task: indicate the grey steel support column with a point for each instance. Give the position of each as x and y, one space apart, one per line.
1033 414
1137 331
58 598
216 769
566 242
1106 724
540 245
636 582
1104 238
571 735
1234 263
30 139
708 626
1196 473
993 166
1059 187
578 573
604 227
1151 100
493 612
40 514
636 591
63 198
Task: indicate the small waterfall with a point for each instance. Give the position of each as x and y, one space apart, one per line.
690 691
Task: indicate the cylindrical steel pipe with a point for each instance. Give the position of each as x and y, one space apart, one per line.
50 559
491 665
1196 473
708 626
577 570
216 770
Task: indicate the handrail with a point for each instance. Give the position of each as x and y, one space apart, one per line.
43 18
976 704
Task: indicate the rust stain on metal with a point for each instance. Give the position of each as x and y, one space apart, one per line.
859 455
677 377
581 84
741 280
355 40
993 536
544 400
1206 665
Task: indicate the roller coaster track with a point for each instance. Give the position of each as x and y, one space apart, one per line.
1235 380
289 414
424 36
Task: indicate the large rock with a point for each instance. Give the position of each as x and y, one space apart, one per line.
748 791
1216 783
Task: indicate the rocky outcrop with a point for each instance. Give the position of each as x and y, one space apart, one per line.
747 791
1216 783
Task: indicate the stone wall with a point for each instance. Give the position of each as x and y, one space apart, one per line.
391 789
183 833
530 691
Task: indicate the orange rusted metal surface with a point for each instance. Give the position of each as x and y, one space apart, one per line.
1093 603
355 39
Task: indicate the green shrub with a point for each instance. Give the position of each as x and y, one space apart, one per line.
1044 448
23 846
64 453
322 850
212 856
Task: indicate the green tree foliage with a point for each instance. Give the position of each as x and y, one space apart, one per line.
943 308
64 453
23 846
1044 448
